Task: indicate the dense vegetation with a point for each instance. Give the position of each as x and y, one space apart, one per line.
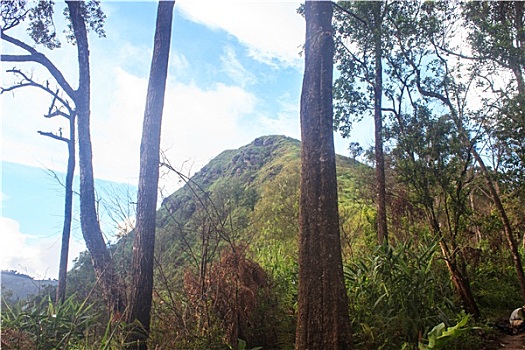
431 244
226 263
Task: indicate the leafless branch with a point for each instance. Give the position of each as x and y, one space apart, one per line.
55 176
28 81
35 56
54 136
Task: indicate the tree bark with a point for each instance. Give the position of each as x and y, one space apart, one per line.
68 212
144 242
382 229
323 320
91 231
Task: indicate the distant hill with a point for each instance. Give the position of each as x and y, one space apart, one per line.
17 286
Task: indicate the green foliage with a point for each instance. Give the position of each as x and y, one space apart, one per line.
496 287
395 293
93 16
242 346
441 335
12 13
48 325
42 28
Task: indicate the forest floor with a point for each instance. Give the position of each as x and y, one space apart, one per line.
512 342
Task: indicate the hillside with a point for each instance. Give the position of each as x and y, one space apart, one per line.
251 194
17 286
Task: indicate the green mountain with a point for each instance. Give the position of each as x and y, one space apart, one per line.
227 240
251 194
250 197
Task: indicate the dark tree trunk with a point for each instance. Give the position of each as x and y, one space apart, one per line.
91 231
144 243
382 232
68 212
323 320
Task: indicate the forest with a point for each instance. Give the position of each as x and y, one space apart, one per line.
415 243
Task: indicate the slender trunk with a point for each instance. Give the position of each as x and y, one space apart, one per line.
323 320
459 279
382 230
144 242
517 66
68 213
507 227
91 231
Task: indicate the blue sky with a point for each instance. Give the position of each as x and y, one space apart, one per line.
235 74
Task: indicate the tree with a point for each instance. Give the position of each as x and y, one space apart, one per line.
13 13
433 151
432 159
41 30
360 48
144 242
497 38
88 215
323 320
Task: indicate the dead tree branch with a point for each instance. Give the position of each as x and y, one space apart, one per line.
35 56
28 81
54 136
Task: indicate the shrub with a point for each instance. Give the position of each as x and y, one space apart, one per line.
43 325
396 293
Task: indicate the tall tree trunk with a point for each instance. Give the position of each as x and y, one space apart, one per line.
68 212
144 242
91 231
382 231
323 320
507 227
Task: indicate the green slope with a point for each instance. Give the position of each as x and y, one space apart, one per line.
227 240
251 195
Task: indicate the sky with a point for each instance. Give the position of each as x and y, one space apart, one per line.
235 74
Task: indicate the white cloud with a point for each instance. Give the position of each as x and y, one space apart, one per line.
36 256
197 124
179 65
22 117
235 70
199 121
271 30
3 196
286 121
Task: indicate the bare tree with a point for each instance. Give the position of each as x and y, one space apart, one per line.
59 107
78 12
